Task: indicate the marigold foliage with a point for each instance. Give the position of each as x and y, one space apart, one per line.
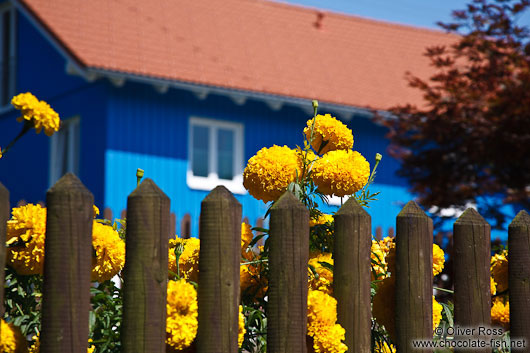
182 311
329 129
327 335
500 313
324 282
499 270
270 171
109 252
11 339
25 239
340 172
38 112
188 260
378 254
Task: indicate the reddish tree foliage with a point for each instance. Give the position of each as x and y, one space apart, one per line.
472 138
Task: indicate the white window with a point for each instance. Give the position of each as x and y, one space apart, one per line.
215 155
7 54
64 150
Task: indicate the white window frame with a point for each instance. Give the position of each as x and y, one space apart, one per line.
73 144
7 7
212 180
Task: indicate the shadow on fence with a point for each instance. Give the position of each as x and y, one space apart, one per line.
67 278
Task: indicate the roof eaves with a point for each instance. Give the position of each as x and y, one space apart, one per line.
275 102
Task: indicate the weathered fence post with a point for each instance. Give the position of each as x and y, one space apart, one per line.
218 294
472 257
288 258
145 271
519 277
351 274
68 249
414 241
4 216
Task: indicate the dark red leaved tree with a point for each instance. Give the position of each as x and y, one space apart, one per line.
471 140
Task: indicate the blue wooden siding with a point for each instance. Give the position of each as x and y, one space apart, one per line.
148 130
41 70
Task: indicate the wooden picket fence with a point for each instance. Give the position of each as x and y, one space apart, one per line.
66 291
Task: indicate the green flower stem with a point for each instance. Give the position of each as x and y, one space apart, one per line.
444 290
254 262
27 126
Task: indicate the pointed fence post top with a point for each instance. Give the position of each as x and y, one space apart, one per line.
287 200
148 188
220 192
68 183
470 216
412 209
352 207
521 220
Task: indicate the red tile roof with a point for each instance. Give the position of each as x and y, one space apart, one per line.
251 45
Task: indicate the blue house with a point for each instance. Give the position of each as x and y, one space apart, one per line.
190 90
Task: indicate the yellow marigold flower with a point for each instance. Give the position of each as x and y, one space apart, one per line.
96 211
181 322
500 313
323 218
384 308
436 313
246 235
330 130
438 259
378 255
109 252
499 270
241 331
340 172
38 112
321 311
35 346
270 171
26 232
252 282
493 286
384 347
11 339
327 335
188 260
329 340
324 282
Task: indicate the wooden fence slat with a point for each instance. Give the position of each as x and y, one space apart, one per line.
472 254
519 276
145 271
68 249
218 294
414 238
351 274
4 216
288 271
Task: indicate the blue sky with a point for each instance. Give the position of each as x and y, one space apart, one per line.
423 13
